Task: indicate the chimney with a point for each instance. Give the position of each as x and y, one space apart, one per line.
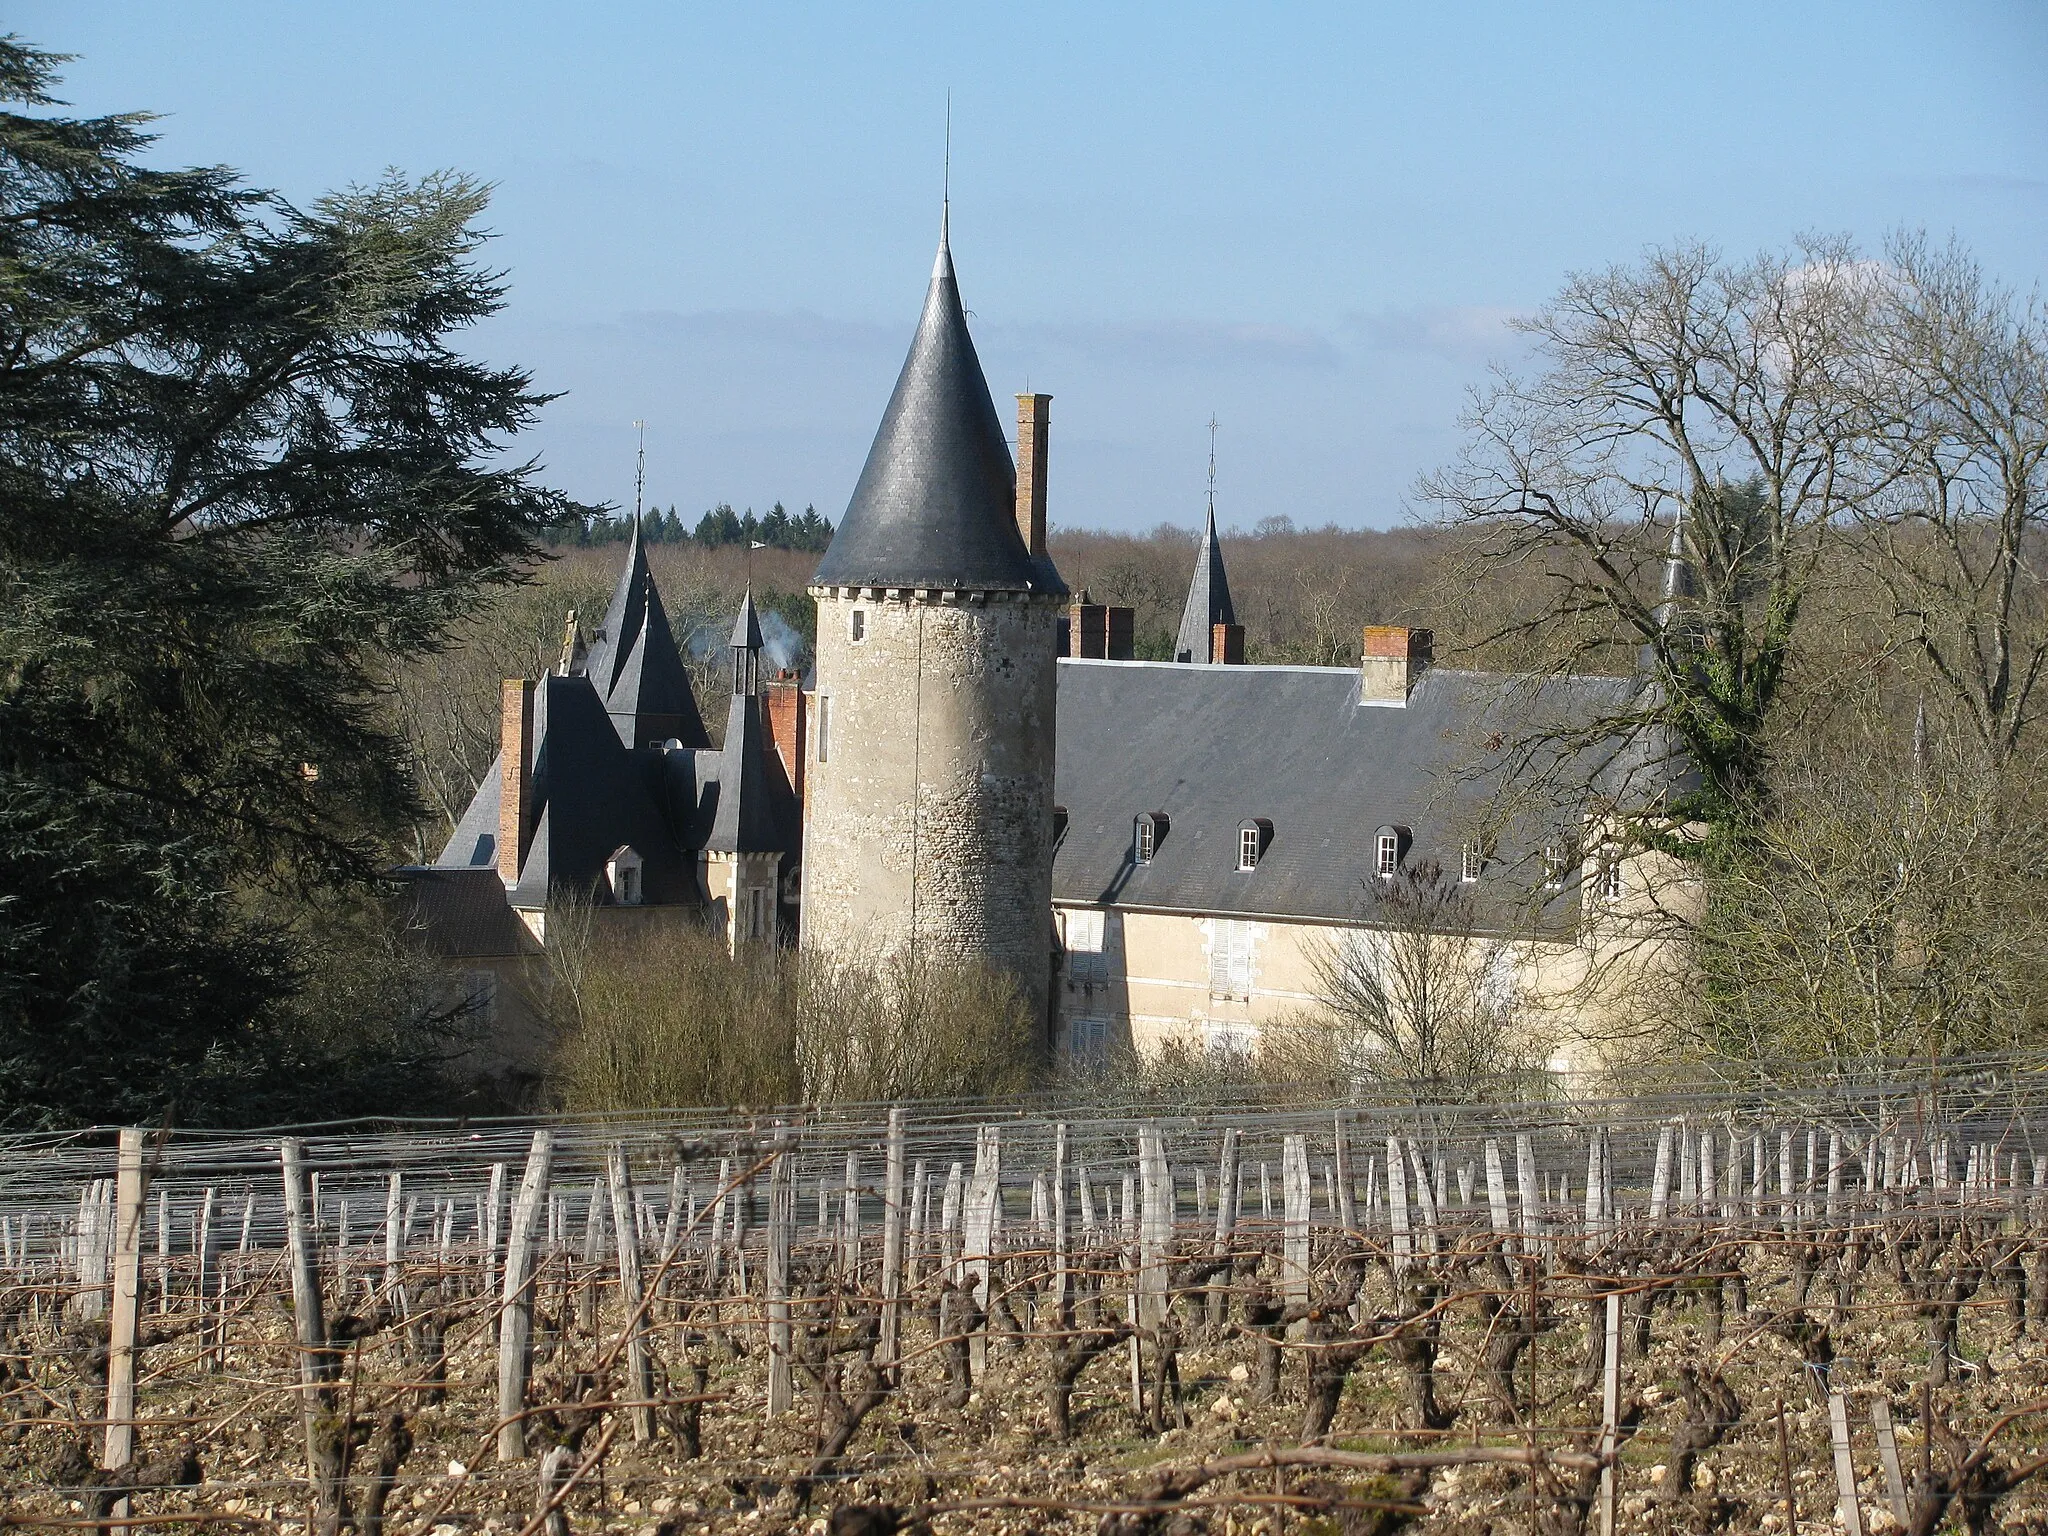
1086 629
1033 429
1394 657
1226 645
515 775
783 715
1118 624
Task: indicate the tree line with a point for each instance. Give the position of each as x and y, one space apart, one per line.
777 528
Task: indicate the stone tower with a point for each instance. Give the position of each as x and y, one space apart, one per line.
929 804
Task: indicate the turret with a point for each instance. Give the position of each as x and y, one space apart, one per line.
928 797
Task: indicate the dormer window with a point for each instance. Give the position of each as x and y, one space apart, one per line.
1388 844
624 870
1147 834
860 625
1553 867
1252 838
1471 863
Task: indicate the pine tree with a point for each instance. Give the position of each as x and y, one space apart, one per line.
241 468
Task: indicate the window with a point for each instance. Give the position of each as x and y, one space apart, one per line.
1087 1039
1150 830
823 734
1087 966
1252 838
1553 867
623 872
1230 960
1472 861
1059 825
1387 855
1226 1040
860 626
486 851
1612 882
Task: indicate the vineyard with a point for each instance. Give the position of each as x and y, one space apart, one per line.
1822 1309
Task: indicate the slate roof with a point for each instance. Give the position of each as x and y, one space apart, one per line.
635 666
459 912
1215 746
935 505
1208 601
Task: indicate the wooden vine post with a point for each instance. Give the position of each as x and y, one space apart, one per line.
890 1347
119 1448
639 1367
781 1215
319 1366
515 1325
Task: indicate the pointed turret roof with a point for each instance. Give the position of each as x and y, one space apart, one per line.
1678 589
746 820
635 666
1208 600
935 505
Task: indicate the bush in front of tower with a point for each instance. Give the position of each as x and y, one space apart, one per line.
666 1017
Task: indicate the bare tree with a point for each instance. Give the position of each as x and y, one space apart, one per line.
1959 366
1684 386
1424 997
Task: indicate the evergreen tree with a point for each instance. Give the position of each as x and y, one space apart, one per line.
241 468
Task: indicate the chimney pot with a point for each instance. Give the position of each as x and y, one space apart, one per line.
1226 645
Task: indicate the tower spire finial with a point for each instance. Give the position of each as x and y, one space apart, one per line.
1212 466
639 470
946 177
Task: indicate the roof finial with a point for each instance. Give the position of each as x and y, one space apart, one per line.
946 180
1212 466
639 470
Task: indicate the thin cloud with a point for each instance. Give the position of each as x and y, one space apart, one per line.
1184 343
1461 333
801 330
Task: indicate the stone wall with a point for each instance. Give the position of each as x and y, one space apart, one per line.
928 807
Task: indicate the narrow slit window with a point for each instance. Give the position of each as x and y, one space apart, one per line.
860 625
824 731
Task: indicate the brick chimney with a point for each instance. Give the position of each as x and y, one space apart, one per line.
1097 631
515 775
1226 645
783 715
1033 429
1394 657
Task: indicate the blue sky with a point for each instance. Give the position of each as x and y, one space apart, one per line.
1308 220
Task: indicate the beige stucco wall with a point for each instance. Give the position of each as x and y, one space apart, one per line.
1582 1001
928 802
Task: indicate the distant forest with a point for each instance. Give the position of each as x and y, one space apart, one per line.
778 528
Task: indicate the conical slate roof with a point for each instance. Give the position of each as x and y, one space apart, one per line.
1208 601
935 506
745 820
634 664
